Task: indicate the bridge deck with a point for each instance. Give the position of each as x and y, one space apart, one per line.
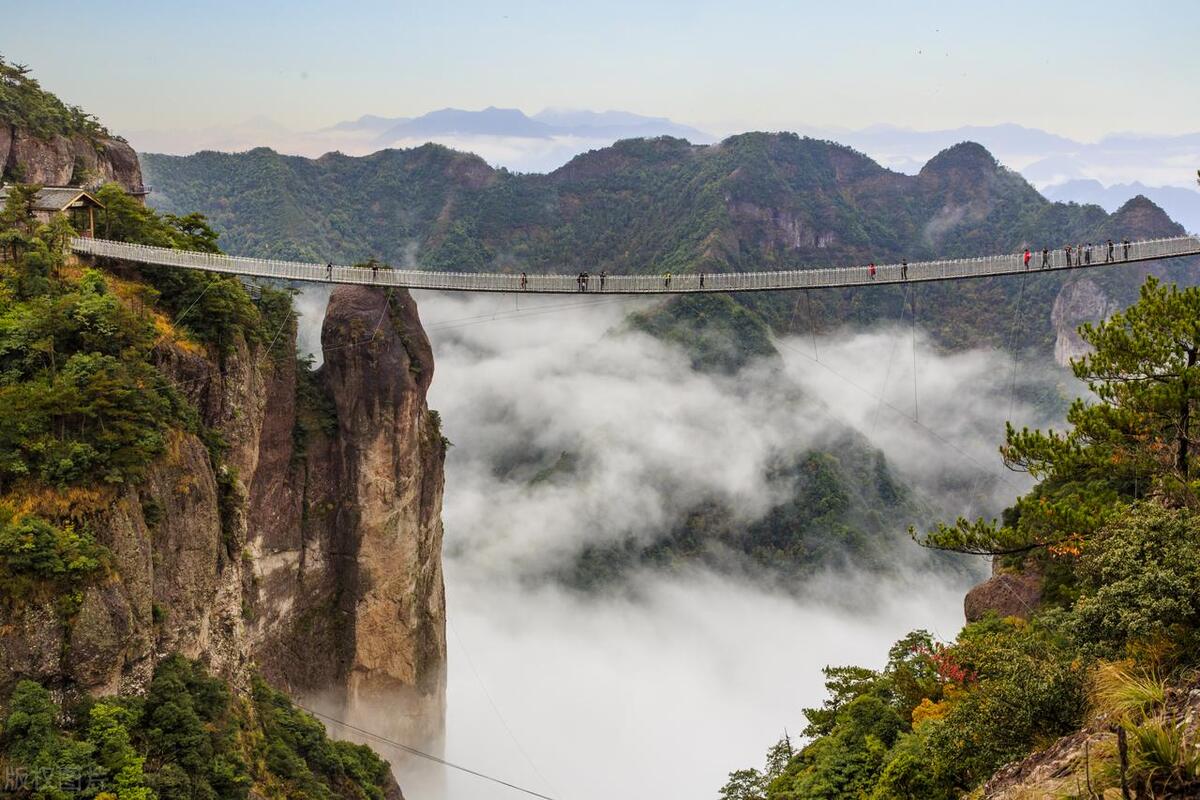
688 283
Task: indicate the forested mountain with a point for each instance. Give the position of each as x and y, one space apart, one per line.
753 201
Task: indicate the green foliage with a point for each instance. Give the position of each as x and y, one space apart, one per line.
313 766
714 330
1125 572
216 309
54 763
1140 581
79 399
35 554
1134 440
25 104
187 739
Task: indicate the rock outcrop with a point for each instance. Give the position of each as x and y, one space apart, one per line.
1006 594
348 551
1078 302
61 160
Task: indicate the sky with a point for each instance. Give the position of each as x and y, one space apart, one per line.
1080 69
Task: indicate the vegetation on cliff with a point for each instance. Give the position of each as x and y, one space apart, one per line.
25 104
1113 527
86 406
188 738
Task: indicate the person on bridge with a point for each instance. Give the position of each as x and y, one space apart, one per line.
1045 258
871 270
329 271
1027 256
1125 244
374 270
701 280
904 268
1108 257
1079 254
586 280
1087 254
667 279
603 278
524 281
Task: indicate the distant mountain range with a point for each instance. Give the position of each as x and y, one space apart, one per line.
1182 204
514 123
507 137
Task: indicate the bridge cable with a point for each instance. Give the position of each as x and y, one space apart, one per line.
891 360
812 325
404 748
1012 346
916 396
512 735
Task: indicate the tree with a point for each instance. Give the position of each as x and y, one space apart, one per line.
1136 437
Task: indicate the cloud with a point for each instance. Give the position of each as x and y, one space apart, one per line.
662 689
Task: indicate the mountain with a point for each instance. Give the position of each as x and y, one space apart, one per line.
753 201
603 126
368 123
618 125
491 121
1042 157
1182 204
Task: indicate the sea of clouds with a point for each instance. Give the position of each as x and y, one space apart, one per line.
661 686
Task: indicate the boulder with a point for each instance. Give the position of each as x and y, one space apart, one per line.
1007 594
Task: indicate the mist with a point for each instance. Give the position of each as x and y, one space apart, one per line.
660 686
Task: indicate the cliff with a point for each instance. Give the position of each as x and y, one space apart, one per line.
317 562
347 544
67 160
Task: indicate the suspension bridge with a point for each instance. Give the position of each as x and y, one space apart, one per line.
686 283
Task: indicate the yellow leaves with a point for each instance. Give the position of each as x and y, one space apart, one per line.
51 503
928 710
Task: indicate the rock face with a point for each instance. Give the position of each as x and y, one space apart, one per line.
1078 302
67 160
349 566
1008 594
316 561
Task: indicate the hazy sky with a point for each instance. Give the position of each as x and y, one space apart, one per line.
1076 68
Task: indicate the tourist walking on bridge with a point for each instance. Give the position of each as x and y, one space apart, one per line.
524 281
1067 250
667 279
329 271
1045 258
1108 257
603 278
1125 244
1027 256
871 270
701 280
904 267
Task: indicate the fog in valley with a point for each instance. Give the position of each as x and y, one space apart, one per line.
568 430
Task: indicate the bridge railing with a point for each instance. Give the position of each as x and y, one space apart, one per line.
821 277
